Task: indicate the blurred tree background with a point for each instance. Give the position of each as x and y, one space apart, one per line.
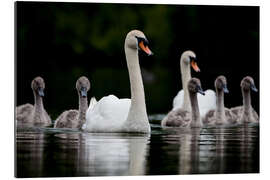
63 41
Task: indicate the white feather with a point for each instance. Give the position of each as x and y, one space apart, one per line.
92 103
206 102
107 115
111 114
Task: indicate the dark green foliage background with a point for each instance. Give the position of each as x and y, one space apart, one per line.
63 41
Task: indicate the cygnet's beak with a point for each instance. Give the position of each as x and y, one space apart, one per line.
194 65
40 92
200 90
253 88
225 89
83 92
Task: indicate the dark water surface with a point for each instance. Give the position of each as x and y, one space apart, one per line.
48 152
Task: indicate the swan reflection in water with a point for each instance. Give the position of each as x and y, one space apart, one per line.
104 154
218 150
27 142
247 148
49 152
201 151
189 151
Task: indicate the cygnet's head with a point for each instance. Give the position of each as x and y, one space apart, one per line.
221 84
82 86
247 83
189 57
38 86
136 40
194 86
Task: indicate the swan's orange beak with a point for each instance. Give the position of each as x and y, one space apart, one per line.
145 48
195 66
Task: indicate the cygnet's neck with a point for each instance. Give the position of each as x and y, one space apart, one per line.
137 111
83 106
220 112
195 113
38 109
246 101
185 75
38 103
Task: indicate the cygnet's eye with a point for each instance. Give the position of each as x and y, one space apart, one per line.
37 84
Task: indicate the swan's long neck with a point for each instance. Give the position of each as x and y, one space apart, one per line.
83 106
137 112
185 74
220 112
195 112
246 101
38 107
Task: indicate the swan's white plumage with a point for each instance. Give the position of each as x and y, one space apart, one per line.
206 102
181 100
92 103
178 100
107 115
111 114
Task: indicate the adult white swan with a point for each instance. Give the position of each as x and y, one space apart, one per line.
111 114
181 100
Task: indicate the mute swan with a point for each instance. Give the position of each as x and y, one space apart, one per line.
182 118
111 114
246 113
181 100
35 115
75 118
220 115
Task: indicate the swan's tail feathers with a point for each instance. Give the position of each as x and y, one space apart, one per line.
93 102
178 100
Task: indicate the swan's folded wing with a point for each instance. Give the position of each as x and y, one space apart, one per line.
92 103
68 119
24 108
209 117
206 102
178 100
177 118
23 112
237 111
108 115
231 118
255 115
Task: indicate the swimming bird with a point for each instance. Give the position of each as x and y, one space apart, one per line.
34 114
76 118
111 114
246 113
220 115
180 117
181 100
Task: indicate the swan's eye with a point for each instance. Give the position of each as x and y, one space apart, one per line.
143 45
192 58
142 40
